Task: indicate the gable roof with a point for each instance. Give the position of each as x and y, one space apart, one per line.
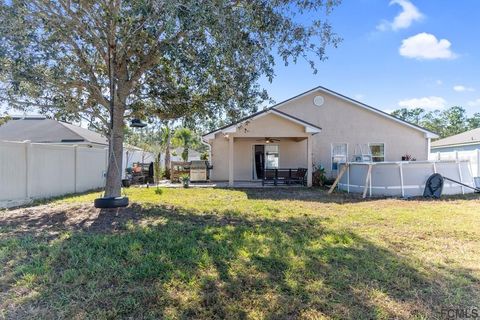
309 127
428 133
42 130
467 137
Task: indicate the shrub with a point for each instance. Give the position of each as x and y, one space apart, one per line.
319 177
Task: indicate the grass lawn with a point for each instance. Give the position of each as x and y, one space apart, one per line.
229 254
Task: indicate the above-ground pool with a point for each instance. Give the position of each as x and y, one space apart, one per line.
404 179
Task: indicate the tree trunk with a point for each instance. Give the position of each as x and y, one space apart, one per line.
115 157
167 157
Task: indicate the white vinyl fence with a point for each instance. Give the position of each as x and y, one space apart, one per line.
471 155
35 170
134 155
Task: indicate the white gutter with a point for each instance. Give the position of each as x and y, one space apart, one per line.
209 148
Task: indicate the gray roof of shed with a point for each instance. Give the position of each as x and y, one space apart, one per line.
48 131
467 137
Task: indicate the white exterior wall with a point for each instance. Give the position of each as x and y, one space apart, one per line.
342 121
33 171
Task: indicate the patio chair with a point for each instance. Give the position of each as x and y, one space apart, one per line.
270 176
284 176
299 176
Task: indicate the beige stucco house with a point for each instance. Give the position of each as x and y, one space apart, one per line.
317 127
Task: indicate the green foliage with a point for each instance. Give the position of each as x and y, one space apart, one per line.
187 139
167 59
445 123
319 178
4 119
185 179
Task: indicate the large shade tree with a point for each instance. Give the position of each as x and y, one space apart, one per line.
445 123
109 60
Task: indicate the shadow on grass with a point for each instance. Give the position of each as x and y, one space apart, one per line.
339 197
302 194
157 262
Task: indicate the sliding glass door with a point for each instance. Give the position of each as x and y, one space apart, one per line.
265 156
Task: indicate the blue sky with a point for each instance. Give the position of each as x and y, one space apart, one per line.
438 66
398 53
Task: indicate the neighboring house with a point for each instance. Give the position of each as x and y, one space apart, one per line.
317 127
42 130
39 129
465 141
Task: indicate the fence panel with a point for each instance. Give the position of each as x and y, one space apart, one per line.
35 170
53 170
90 168
13 171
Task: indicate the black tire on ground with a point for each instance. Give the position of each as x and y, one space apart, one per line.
111 202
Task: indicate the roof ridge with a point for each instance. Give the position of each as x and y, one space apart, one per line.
275 106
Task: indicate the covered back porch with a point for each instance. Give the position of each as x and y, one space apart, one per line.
271 143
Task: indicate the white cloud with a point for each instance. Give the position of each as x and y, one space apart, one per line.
404 19
439 82
431 102
426 46
474 103
460 88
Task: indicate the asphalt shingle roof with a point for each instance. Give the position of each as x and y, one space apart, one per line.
470 136
48 131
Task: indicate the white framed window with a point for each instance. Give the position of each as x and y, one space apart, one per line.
378 151
339 154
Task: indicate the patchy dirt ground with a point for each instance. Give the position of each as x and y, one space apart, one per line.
53 219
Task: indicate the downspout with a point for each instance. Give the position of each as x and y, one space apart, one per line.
209 148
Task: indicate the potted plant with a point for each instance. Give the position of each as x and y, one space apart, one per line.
185 179
408 157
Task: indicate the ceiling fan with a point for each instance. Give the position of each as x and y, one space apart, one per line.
268 140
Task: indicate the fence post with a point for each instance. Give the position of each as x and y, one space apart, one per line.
460 175
348 179
401 180
28 168
478 163
75 165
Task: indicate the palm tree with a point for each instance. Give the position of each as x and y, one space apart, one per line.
184 138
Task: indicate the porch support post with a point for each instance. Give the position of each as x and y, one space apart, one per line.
230 161
309 161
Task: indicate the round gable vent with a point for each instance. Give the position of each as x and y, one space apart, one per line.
318 101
